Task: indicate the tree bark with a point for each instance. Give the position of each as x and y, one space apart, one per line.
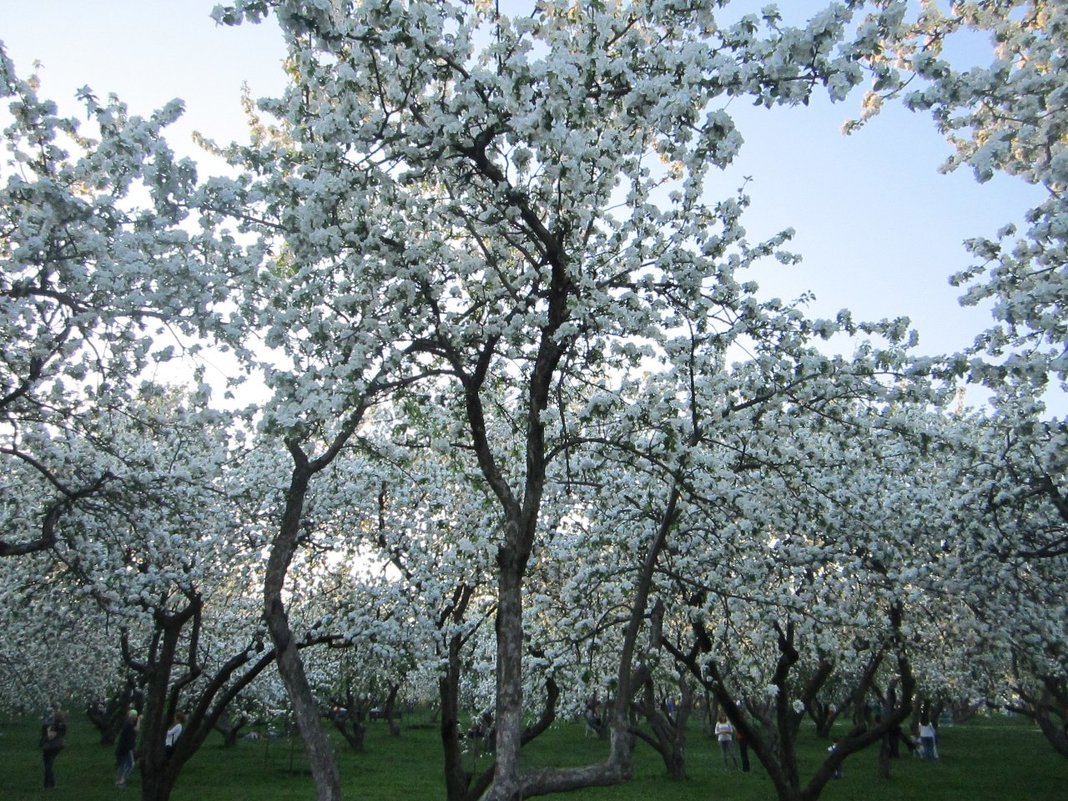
352 727
456 778
460 784
669 732
107 715
389 711
290 667
230 729
509 713
1049 711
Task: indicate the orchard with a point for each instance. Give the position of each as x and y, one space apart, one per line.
509 428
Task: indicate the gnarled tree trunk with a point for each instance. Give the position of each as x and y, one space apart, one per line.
305 710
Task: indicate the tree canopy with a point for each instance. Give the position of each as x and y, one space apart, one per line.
512 369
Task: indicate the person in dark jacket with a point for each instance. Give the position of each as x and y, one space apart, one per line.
125 744
52 735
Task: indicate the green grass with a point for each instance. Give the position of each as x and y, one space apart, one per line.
991 760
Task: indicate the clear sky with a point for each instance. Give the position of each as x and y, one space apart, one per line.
880 229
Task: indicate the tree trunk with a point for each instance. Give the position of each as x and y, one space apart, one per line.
156 785
352 728
1056 734
107 716
1049 711
449 695
230 728
290 667
305 710
157 775
885 755
617 767
824 716
390 711
509 710
669 730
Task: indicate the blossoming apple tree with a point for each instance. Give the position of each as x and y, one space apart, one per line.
99 281
511 201
162 559
492 231
1009 116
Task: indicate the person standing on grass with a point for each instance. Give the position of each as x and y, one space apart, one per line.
927 738
725 736
51 744
124 748
743 749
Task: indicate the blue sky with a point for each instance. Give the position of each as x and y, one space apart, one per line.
879 228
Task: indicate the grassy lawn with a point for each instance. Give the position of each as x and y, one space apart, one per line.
990 760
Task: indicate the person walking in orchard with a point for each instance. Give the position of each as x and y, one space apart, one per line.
51 744
124 748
